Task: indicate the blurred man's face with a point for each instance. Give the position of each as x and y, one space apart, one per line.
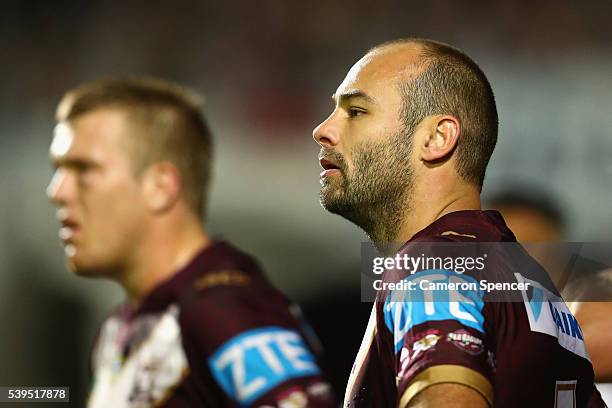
365 153
529 225
538 234
99 200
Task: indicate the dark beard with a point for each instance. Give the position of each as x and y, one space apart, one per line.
377 192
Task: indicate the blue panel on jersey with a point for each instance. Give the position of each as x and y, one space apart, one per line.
254 362
536 302
404 309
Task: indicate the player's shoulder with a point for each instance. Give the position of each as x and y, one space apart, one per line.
231 294
224 255
225 266
467 226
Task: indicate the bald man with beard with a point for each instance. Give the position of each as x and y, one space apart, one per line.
404 155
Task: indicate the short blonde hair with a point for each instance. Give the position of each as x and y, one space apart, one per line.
175 128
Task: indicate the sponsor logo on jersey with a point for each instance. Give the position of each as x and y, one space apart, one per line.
406 309
565 322
548 313
296 399
427 342
420 344
254 362
222 278
463 340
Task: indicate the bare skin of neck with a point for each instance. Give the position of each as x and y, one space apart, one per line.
172 242
433 201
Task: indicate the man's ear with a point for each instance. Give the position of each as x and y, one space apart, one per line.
162 185
441 139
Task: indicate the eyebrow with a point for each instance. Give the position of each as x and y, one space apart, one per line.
57 162
356 93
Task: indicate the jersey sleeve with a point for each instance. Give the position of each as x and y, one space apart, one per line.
438 333
245 335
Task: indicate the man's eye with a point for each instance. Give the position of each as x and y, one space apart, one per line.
353 112
82 167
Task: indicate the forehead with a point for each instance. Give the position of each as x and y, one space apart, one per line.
378 72
94 135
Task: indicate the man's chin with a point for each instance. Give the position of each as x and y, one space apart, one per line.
334 202
330 198
84 269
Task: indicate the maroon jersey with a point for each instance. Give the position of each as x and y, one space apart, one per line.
523 351
216 334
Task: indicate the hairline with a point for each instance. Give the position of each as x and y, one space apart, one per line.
135 125
141 110
431 52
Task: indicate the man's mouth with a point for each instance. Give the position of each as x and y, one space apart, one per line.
328 167
67 230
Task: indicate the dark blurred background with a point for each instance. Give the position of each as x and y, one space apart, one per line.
268 69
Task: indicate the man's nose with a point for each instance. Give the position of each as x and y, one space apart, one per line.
58 188
327 134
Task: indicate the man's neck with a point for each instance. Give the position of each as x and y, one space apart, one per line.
429 208
166 252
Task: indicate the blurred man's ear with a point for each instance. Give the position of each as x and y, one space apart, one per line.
441 139
161 186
